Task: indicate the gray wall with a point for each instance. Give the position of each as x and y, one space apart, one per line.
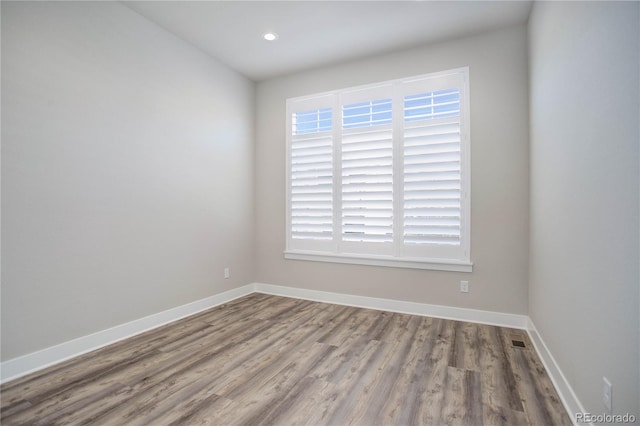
499 163
128 179
127 172
583 294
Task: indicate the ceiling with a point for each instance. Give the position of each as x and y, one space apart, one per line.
317 33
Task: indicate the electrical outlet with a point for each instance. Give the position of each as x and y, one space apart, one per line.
606 394
227 274
464 286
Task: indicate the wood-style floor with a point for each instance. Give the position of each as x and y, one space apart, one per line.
278 361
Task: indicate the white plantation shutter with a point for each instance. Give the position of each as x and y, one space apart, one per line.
432 190
380 174
311 188
311 176
435 203
367 185
367 171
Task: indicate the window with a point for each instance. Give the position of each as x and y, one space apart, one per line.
379 174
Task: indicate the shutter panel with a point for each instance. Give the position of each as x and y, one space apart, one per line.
432 168
367 172
311 175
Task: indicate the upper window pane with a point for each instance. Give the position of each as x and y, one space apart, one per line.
431 105
366 114
312 121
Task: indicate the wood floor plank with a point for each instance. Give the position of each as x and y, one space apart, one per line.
103 360
268 360
179 371
260 356
71 373
462 404
146 378
541 403
429 404
352 326
206 414
464 353
282 388
500 397
305 404
191 366
403 399
353 387
376 394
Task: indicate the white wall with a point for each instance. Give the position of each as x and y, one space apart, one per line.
584 279
127 172
499 162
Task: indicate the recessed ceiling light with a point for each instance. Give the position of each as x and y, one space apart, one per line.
270 36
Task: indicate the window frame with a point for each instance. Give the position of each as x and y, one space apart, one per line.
399 255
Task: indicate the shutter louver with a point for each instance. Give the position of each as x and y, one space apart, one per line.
367 173
311 205
432 168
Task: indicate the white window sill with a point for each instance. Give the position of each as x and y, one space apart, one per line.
434 265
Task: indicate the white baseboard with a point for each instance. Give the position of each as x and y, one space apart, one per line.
568 397
566 393
400 306
35 361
